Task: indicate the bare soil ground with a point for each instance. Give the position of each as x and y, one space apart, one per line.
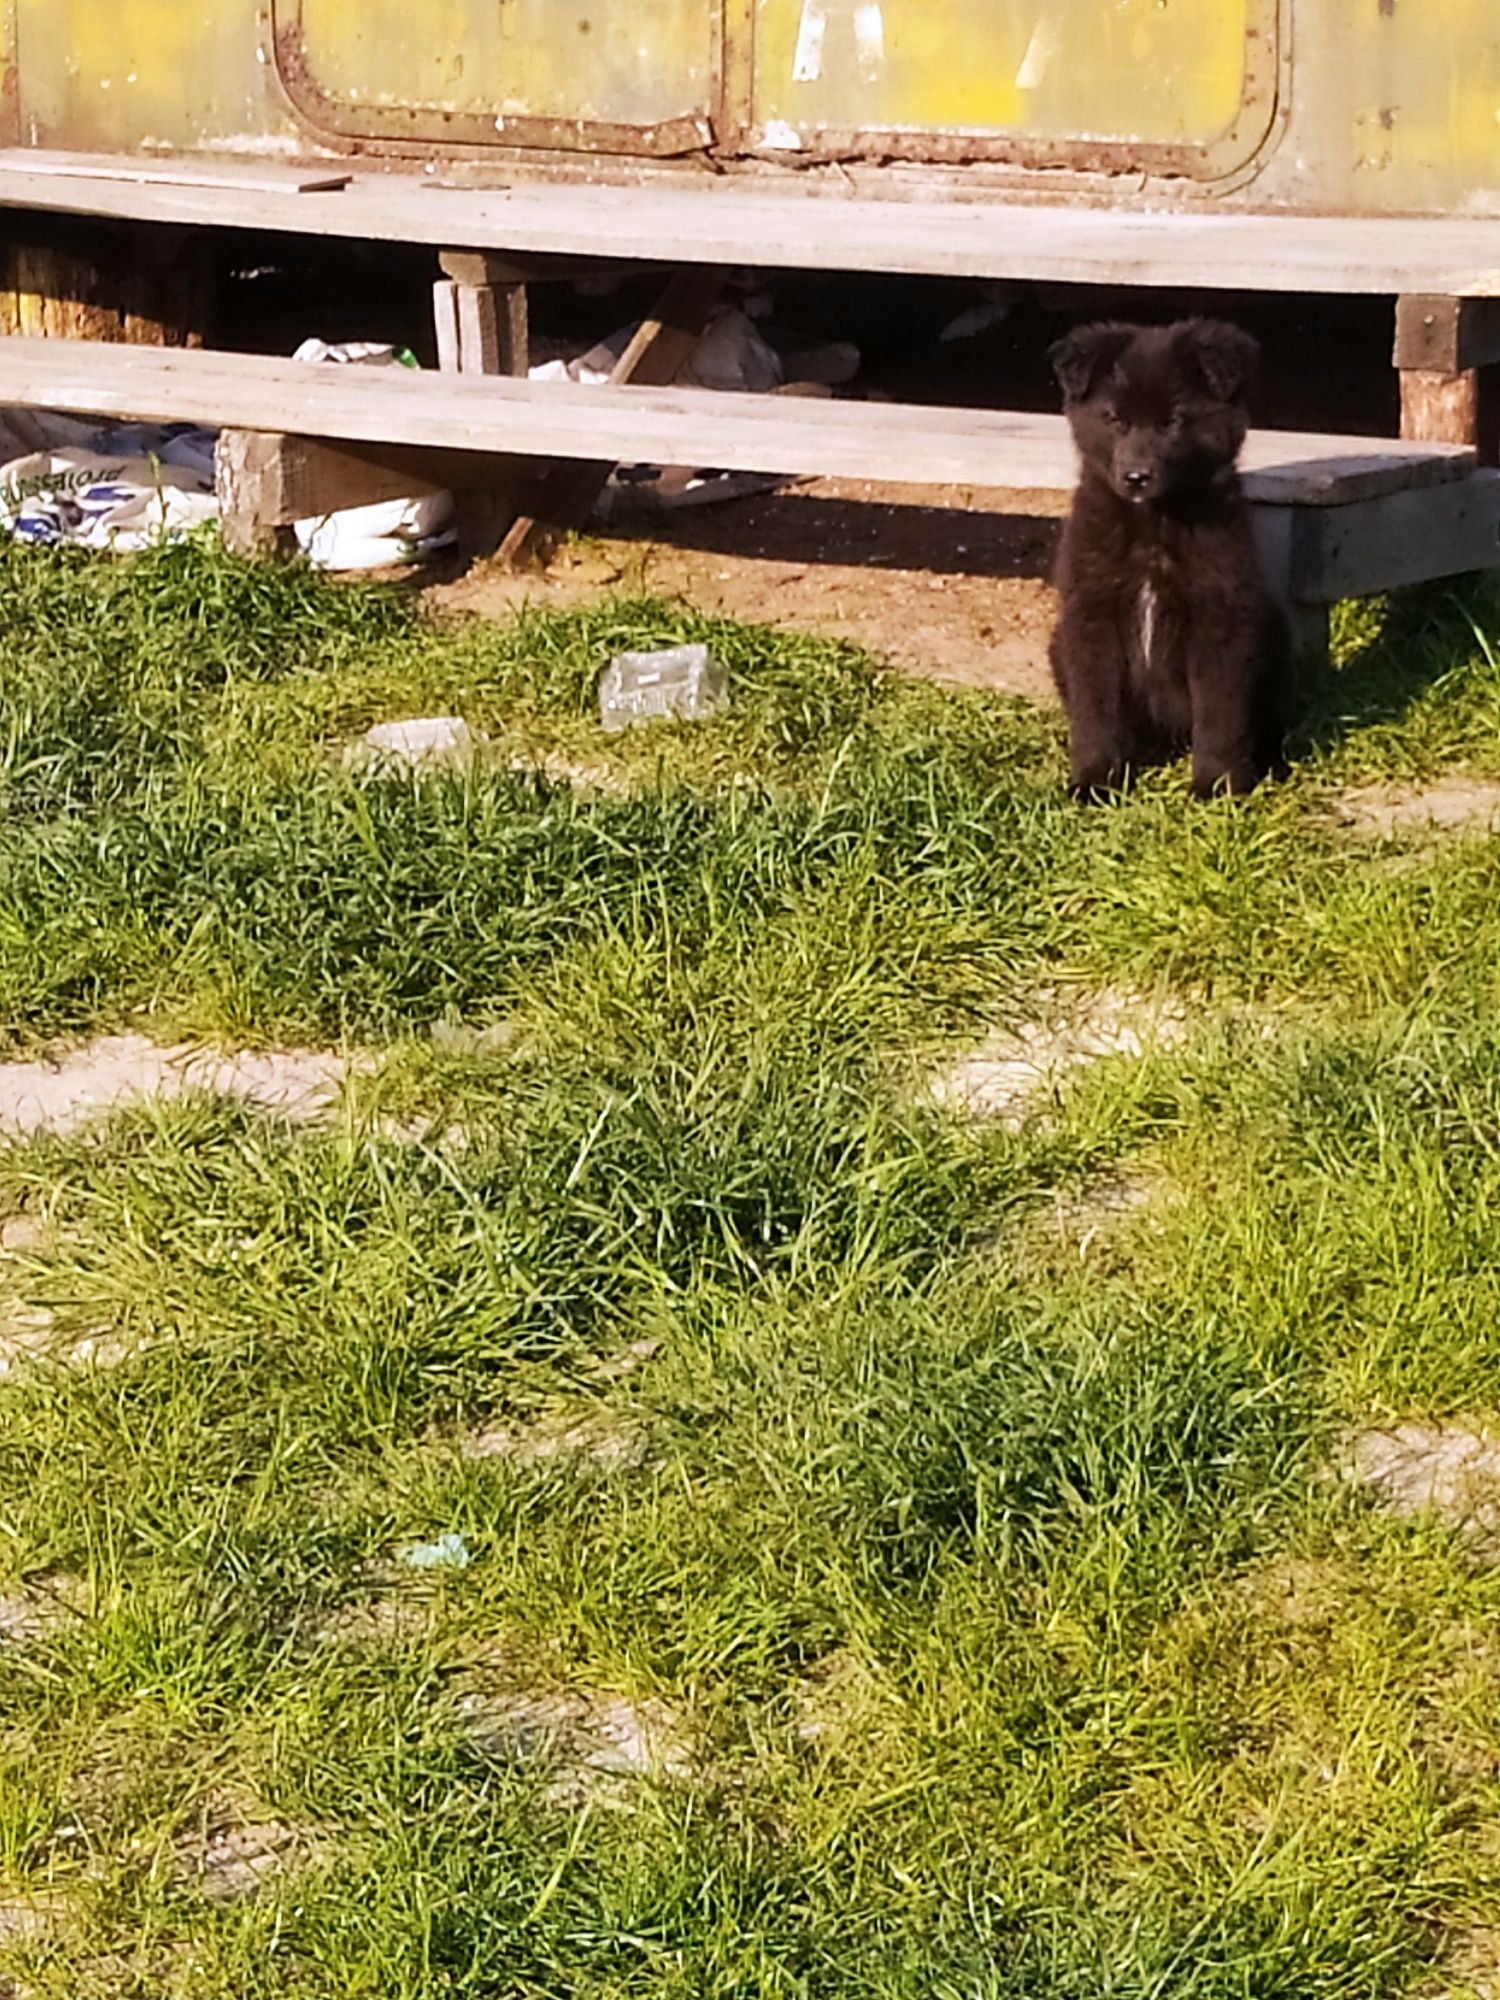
953 587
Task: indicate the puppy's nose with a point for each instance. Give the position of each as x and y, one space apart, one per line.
1137 482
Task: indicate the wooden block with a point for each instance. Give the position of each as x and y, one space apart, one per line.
249 482
1440 408
267 481
1403 538
481 330
1446 336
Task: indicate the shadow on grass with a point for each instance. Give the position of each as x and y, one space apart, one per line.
1388 654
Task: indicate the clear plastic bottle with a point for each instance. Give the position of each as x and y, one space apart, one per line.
682 681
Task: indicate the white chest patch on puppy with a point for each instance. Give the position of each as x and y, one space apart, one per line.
1146 605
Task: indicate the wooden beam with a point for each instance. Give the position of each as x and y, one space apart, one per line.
964 229
891 442
563 495
1440 408
1446 336
1400 539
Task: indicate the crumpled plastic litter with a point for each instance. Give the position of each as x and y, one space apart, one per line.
125 486
447 1552
111 486
731 353
392 532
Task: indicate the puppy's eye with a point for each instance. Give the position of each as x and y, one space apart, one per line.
1115 421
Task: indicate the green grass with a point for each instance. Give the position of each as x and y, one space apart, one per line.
1121 1694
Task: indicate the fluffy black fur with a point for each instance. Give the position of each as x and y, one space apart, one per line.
1167 635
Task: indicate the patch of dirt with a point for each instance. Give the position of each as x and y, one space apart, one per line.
626 1360
1471 1967
41 1607
1450 1471
30 1334
1010 1075
1082 1215
27 1333
1455 804
588 1746
460 1038
561 770
228 1858
949 585
24 1236
33 1920
611 1443
395 1605
71 1086
1300 1592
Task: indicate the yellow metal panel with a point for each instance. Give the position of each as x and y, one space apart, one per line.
588 62
153 73
1161 72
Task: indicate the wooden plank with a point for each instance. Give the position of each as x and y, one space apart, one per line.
483 328
445 325
147 172
893 443
563 495
1446 336
1399 539
819 225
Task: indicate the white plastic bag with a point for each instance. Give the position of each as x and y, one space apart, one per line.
121 491
394 531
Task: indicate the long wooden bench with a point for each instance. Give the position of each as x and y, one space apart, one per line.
1338 516
1443 271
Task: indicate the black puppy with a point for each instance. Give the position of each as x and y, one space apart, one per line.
1167 636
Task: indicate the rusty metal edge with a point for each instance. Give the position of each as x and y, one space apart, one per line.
691 132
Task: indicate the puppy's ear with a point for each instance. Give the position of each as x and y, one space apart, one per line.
1225 356
1081 357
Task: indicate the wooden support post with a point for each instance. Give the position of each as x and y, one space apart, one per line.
1279 533
564 493
1447 350
1439 408
483 328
